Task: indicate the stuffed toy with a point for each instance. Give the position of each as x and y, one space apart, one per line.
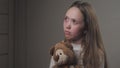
63 55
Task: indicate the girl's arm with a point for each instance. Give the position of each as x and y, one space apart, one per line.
52 62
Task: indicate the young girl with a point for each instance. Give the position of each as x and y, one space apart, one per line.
82 31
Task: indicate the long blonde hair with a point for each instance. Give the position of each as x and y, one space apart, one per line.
93 48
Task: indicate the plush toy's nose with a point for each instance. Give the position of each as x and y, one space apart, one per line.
56 57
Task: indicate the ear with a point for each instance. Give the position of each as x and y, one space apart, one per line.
52 50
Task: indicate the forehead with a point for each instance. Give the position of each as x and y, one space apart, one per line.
74 13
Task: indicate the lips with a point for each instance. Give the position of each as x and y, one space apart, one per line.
67 32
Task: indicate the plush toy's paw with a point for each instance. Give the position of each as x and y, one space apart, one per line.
72 66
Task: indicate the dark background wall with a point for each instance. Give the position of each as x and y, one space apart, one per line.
40 27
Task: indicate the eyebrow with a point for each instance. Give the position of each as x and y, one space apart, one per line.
72 18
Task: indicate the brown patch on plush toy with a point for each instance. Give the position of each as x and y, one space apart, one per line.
63 55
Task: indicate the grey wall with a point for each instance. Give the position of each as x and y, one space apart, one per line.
44 28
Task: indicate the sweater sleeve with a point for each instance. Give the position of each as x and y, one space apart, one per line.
52 62
102 64
102 61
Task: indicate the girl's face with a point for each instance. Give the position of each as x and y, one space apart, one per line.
73 23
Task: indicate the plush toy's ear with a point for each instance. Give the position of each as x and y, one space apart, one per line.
69 45
52 50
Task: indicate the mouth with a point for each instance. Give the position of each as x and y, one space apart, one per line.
67 32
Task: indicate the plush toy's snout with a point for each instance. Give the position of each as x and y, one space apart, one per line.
56 58
60 57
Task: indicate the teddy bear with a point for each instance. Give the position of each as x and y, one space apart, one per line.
63 55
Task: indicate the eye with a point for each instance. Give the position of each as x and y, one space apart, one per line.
66 19
74 21
60 53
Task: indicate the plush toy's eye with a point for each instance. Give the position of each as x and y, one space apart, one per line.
60 53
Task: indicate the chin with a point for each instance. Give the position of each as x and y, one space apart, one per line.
68 38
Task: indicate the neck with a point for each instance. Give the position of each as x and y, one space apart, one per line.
75 41
78 41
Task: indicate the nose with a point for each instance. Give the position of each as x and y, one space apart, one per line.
56 58
68 25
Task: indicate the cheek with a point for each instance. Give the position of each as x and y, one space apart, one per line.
75 31
64 25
